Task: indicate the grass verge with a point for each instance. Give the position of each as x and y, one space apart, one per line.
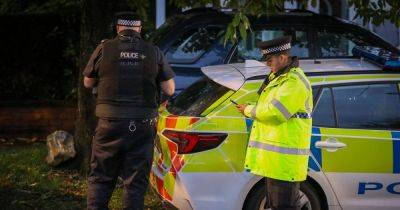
26 182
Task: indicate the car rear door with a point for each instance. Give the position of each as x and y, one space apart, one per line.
358 127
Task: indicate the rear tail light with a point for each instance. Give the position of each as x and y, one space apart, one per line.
189 142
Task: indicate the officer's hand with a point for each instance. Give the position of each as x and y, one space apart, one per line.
241 108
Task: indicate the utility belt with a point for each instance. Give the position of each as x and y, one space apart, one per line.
125 112
134 122
302 115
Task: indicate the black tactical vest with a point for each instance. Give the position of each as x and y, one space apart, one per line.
127 85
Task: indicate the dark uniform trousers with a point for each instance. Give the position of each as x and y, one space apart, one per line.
121 147
283 195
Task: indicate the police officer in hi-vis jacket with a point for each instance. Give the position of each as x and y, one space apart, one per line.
279 142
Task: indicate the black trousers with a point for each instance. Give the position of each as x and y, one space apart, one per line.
121 147
283 195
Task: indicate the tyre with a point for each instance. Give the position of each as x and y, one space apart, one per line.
309 198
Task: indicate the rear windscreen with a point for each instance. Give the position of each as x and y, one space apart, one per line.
196 98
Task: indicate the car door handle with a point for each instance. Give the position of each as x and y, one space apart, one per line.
330 144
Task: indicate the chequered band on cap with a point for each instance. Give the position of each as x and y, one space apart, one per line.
284 47
130 23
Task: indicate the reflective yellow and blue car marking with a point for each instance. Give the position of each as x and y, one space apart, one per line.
396 151
392 188
315 160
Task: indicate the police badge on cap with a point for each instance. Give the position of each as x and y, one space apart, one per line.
128 19
275 46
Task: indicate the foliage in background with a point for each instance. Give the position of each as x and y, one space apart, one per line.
375 11
26 78
68 11
38 61
46 68
23 7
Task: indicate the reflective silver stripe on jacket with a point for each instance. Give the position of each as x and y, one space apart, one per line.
278 149
308 86
281 108
307 105
304 80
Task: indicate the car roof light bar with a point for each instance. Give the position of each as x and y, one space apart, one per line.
382 57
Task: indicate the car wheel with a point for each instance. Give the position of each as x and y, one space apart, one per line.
309 198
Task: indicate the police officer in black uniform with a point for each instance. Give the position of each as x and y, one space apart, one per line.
129 74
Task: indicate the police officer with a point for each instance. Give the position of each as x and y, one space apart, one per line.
279 141
129 72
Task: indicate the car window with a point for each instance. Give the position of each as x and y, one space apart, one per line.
315 92
335 44
368 106
197 98
160 34
191 44
338 43
324 114
247 49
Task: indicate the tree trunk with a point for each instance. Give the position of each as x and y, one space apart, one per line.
96 24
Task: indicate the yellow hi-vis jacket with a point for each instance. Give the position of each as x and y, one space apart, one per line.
279 142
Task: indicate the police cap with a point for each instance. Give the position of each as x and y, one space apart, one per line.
274 46
128 19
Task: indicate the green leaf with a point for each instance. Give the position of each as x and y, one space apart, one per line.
228 33
236 20
246 22
243 31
